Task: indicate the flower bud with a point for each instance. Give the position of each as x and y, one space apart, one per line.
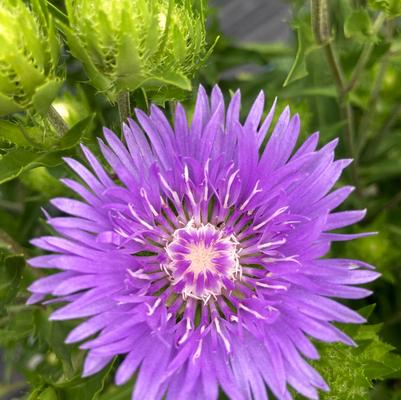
127 44
29 52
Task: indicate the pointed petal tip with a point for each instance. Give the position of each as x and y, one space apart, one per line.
237 93
261 95
35 298
86 373
332 144
85 346
71 338
33 242
54 317
109 134
120 378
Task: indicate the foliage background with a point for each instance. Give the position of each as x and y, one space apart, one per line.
343 76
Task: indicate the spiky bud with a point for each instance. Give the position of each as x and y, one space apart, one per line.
29 53
127 44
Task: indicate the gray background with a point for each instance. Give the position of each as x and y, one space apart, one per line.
254 20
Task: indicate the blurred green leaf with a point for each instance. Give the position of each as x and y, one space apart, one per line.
88 388
391 7
56 12
40 180
358 25
118 392
54 335
382 170
10 276
47 394
305 44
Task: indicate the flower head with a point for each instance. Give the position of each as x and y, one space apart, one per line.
202 264
127 44
29 52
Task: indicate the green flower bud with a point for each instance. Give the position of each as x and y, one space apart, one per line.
127 44
29 52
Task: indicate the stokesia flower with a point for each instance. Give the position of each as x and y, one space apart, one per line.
202 263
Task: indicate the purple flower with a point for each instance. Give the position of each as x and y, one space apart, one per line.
201 262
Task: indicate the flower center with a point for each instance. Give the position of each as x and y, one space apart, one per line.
203 261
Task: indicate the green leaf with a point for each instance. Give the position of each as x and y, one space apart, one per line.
8 105
88 388
10 277
391 7
118 393
57 13
382 170
51 159
41 393
44 96
12 133
128 63
10 336
48 394
40 180
305 44
351 371
73 136
171 78
17 161
14 162
77 49
325 91
358 25
366 312
54 334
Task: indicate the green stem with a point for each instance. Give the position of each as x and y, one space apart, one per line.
335 68
346 110
124 107
365 54
369 115
57 121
